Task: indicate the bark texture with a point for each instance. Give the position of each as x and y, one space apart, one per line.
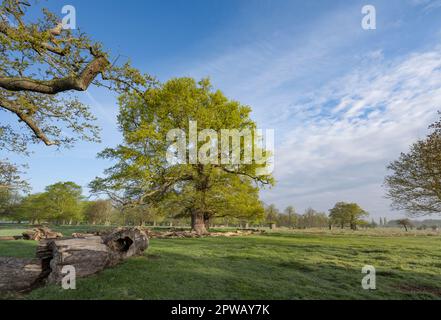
19 275
79 83
91 254
88 255
198 223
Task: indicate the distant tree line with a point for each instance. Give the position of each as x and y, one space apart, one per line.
342 215
291 219
64 203
408 224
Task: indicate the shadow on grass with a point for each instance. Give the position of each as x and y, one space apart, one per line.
258 267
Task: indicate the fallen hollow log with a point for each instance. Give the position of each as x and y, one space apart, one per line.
91 254
88 255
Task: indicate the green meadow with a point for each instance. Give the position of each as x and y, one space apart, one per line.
276 265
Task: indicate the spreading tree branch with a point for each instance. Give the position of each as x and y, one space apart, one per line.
23 116
79 82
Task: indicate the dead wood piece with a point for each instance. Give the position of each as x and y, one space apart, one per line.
250 229
190 234
41 233
87 254
20 275
9 238
127 242
6 238
91 254
82 235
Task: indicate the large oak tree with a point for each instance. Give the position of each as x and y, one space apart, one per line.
229 196
142 173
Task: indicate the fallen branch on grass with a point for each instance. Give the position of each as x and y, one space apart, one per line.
179 233
8 238
40 233
190 234
35 234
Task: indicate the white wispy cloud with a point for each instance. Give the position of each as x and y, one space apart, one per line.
266 73
341 115
427 5
343 139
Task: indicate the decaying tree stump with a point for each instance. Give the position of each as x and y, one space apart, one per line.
88 255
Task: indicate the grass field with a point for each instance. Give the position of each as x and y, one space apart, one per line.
299 265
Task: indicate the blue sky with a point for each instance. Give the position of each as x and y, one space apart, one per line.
343 101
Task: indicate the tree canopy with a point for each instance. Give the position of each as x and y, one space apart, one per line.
11 185
415 182
99 211
41 64
271 214
292 216
346 214
61 202
143 172
312 219
10 177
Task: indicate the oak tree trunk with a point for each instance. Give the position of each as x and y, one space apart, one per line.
207 221
198 223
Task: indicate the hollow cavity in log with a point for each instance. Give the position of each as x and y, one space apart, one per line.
88 255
